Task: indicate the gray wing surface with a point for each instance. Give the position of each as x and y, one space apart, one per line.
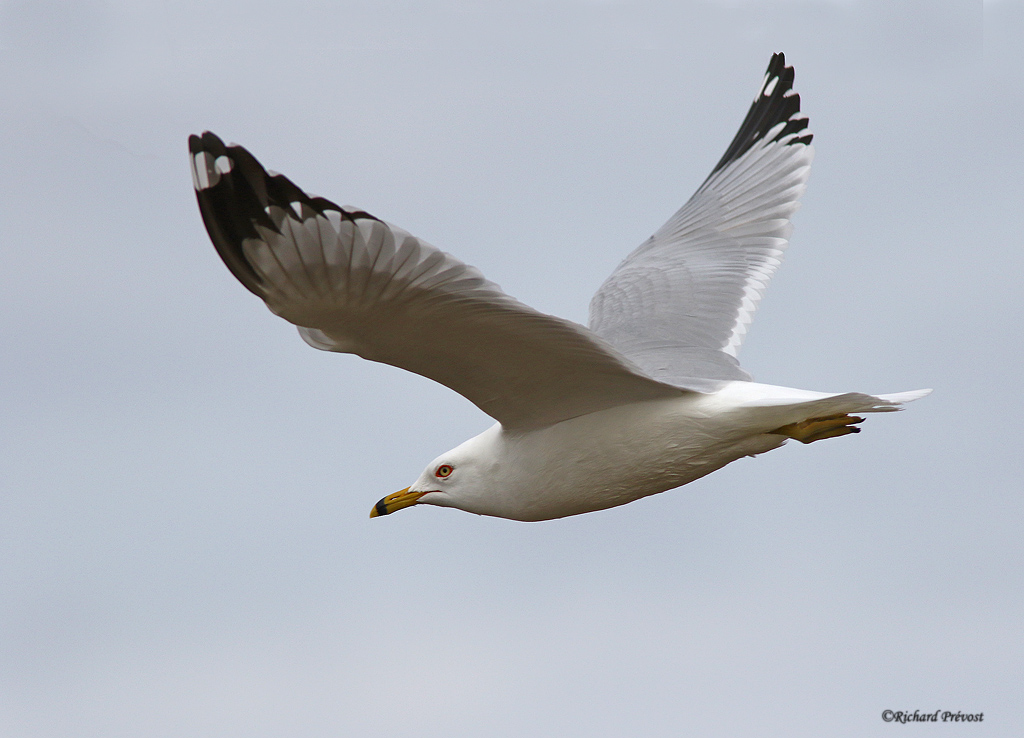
355 284
679 305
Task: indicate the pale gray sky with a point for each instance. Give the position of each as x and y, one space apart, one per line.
184 485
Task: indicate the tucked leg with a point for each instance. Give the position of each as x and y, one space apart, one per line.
817 429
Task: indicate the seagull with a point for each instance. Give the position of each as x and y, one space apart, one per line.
647 398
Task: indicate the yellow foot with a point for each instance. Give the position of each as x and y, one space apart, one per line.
817 429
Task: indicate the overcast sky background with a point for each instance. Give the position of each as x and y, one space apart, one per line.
185 548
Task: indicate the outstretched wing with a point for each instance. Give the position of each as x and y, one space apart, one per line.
679 305
355 284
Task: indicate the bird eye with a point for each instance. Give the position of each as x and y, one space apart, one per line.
444 470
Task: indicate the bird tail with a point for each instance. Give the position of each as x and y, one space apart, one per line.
858 402
831 417
775 408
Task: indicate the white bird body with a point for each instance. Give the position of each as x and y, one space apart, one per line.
592 462
615 456
648 397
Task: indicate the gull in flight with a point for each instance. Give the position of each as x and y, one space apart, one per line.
646 398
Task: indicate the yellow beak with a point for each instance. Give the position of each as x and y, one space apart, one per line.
396 501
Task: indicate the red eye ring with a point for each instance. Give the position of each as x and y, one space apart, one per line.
445 470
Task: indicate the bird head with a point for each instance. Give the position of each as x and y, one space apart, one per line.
458 478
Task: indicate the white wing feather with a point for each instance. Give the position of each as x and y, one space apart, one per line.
355 284
679 305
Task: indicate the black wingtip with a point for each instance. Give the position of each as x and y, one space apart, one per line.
227 181
776 103
235 195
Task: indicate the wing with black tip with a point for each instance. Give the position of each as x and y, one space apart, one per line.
355 284
679 305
